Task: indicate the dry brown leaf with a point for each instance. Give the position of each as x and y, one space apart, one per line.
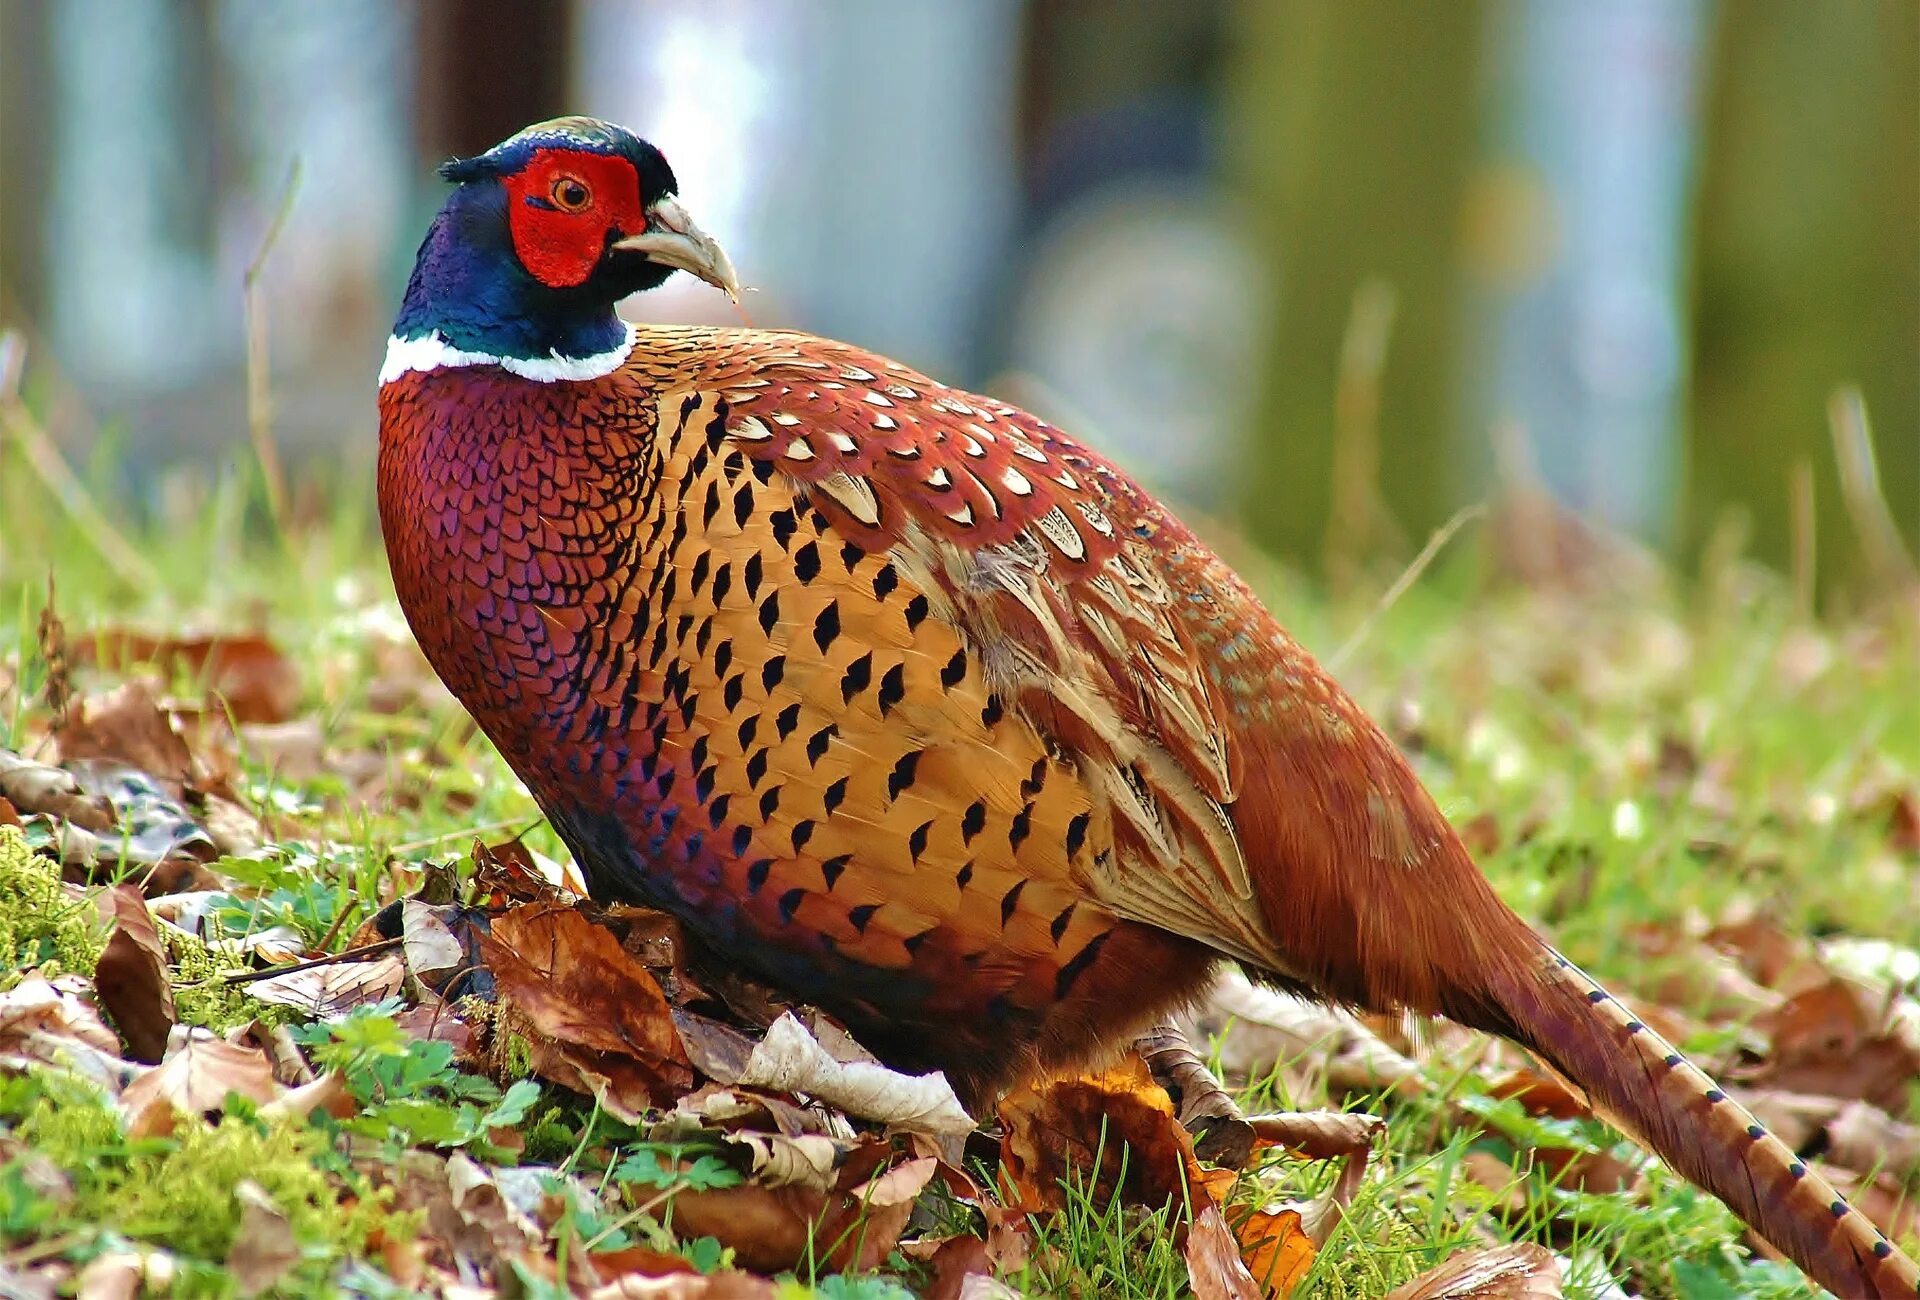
1520 1272
1866 1138
594 1018
329 992
1903 820
853 1227
1086 1129
790 1059
255 679
126 725
50 1023
1214 1266
1771 955
131 976
42 1280
34 787
195 1079
1496 1175
951 1260
1275 1246
1839 1039
510 871
1321 1134
430 945
1318 1135
1541 1094
263 1248
467 1224
717 1050
327 1093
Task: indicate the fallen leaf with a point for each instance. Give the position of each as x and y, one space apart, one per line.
511 870
126 725
263 1248
198 1074
293 751
131 976
1113 1131
257 682
37 788
50 1023
1769 954
717 1050
1541 1094
38 1281
1276 1247
1839 1039
851 1228
1866 1138
790 1059
430 945
1214 1266
330 992
328 1093
593 1017
1519 1272
1347 1136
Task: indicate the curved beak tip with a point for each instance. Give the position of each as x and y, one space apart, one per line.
672 239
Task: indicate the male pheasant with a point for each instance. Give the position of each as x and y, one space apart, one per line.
911 705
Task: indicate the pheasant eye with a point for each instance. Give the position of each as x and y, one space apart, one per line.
570 193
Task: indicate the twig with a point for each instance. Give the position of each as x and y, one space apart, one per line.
1860 488
259 391
351 954
1441 536
51 468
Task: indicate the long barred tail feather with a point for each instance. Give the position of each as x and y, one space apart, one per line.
1637 1080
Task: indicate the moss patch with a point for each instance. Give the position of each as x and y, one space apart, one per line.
42 929
178 1193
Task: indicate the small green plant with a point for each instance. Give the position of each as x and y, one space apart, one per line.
409 1090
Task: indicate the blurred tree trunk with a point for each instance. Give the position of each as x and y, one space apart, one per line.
488 68
24 92
1352 127
1808 264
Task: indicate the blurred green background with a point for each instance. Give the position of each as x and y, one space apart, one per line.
1325 268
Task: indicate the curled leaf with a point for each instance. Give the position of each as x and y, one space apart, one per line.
790 1059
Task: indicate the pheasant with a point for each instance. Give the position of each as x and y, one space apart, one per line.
914 707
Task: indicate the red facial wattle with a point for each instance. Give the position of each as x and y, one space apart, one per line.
558 237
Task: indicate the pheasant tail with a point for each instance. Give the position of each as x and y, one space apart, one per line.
1637 1080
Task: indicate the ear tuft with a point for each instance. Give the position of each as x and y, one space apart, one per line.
462 170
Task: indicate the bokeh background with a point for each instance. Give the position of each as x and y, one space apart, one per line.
1324 269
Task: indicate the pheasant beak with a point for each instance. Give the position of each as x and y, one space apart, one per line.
671 239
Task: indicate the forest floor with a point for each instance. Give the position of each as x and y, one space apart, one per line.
221 759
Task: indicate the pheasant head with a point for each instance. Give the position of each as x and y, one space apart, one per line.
542 235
